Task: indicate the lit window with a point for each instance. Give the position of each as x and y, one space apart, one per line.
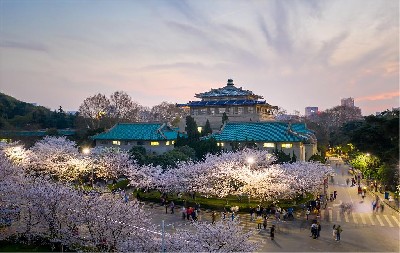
116 142
221 110
220 144
172 142
287 145
203 111
240 110
250 109
167 143
212 111
268 145
154 143
199 129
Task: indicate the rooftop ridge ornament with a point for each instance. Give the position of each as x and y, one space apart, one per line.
230 82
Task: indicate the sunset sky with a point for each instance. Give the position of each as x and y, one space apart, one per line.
294 53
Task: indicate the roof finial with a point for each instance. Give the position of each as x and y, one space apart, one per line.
230 82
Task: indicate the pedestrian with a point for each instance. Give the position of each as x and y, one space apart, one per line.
172 206
378 205
334 231
265 223
373 206
307 213
314 229
189 213
194 214
338 232
277 215
272 232
233 216
259 221
224 214
284 214
382 207
213 217
183 212
318 229
166 206
334 194
258 210
347 181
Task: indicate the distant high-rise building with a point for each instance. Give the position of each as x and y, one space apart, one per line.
311 110
349 102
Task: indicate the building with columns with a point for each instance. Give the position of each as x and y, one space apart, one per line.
238 104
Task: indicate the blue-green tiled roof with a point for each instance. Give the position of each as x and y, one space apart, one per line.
138 131
228 91
262 131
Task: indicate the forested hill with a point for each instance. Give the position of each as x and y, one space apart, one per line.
19 115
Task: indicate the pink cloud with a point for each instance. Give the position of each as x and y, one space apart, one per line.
382 96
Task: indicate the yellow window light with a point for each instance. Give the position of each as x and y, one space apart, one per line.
269 145
287 145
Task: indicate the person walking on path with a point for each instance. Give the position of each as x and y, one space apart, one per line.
183 212
307 213
338 232
252 210
272 232
334 231
213 217
265 223
314 229
259 221
318 229
172 206
166 207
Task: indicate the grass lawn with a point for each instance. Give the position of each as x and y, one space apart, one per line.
6 246
217 204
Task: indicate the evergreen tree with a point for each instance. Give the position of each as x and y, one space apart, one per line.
207 129
224 118
281 157
191 129
294 158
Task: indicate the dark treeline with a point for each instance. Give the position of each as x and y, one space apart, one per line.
18 115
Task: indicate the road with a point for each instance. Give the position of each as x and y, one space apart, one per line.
363 230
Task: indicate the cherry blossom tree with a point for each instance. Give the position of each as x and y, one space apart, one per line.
98 222
233 173
223 236
93 109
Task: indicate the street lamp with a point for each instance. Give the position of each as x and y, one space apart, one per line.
250 161
86 152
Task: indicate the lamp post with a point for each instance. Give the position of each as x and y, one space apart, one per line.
250 161
86 152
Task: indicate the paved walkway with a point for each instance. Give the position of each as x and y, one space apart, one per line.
294 235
